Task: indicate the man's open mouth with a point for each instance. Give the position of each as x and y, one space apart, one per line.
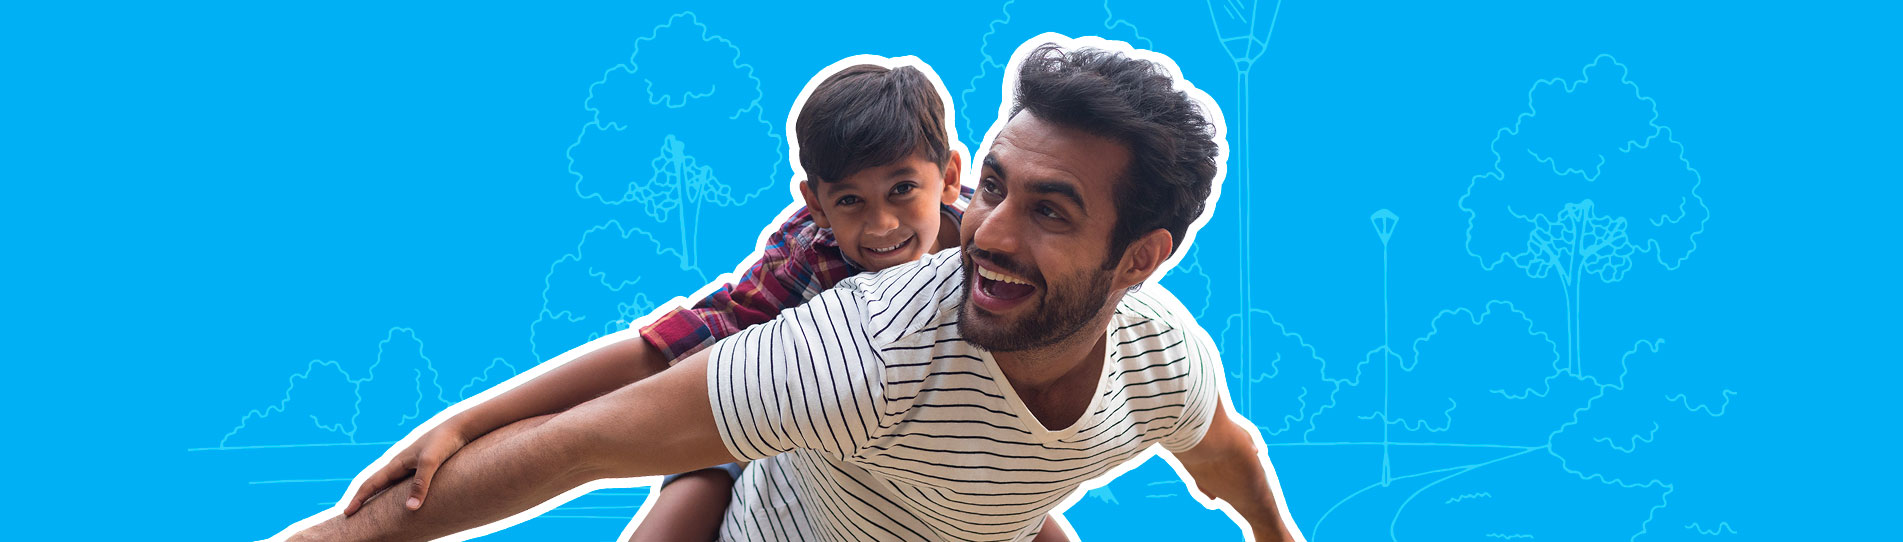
1003 287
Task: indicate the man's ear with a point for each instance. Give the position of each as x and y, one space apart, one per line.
812 204
1142 257
953 169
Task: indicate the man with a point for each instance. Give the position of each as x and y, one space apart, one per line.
961 397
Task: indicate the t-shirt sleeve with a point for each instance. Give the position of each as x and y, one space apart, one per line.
809 379
1204 394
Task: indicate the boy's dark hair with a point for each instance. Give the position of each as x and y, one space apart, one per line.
868 116
1172 145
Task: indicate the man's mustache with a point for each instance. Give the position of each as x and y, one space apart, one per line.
1009 265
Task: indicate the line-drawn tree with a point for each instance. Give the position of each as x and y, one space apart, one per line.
677 131
1584 184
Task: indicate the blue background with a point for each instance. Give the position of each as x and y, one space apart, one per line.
1630 281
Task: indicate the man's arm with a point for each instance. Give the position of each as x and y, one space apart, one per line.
592 375
1227 465
660 425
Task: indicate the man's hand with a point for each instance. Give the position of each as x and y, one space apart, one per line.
656 426
608 364
418 462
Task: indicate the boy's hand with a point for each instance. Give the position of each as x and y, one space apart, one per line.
422 458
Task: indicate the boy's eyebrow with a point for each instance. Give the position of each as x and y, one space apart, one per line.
836 186
901 172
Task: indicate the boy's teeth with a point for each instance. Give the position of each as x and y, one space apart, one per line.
890 248
1000 277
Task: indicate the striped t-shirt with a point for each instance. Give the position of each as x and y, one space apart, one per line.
869 418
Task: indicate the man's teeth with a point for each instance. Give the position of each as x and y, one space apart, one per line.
1000 277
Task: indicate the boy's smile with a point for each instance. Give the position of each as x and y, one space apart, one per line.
885 215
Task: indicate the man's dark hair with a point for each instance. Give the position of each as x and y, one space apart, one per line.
1172 145
867 116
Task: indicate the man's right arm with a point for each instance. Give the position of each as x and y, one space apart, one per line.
591 375
659 425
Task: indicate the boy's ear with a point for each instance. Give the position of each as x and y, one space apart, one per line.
953 168
812 204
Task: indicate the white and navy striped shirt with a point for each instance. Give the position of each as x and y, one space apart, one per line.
868 418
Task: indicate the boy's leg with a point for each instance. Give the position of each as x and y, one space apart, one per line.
689 507
1051 532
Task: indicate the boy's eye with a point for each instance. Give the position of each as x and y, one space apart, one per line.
903 188
846 200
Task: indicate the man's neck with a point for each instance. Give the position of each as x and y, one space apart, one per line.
1057 382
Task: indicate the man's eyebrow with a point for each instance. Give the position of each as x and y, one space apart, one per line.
1063 189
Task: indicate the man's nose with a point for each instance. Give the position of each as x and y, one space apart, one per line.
998 230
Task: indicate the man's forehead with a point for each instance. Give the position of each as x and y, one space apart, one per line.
1029 149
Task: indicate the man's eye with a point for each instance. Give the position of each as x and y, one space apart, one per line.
989 186
1049 212
847 200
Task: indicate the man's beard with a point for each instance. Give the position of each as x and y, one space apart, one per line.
1059 313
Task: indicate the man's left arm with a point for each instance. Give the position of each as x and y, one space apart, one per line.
660 425
1229 465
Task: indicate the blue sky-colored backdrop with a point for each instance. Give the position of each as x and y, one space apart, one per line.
1607 271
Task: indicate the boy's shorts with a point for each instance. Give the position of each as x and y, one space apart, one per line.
732 470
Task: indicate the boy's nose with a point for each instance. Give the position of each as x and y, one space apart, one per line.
882 223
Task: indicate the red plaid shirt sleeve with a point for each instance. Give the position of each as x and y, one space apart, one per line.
799 261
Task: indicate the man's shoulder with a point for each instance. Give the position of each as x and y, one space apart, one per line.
1152 323
1164 357
905 298
1156 305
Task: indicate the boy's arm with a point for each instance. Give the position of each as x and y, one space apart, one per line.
592 375
1227 465
584 378
659 425
791 270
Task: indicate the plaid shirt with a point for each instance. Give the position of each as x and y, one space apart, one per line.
800 261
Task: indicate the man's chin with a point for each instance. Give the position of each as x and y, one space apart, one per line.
993 332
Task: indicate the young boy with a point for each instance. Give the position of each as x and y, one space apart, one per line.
880 188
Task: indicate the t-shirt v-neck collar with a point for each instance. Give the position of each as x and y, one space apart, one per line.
1029 421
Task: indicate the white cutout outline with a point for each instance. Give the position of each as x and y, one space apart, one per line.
1211 112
